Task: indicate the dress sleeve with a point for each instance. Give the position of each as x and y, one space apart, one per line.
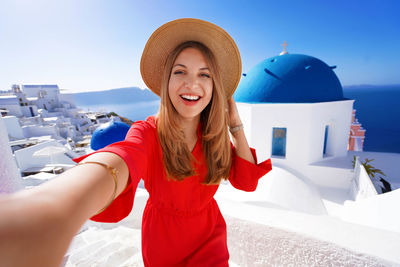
134 151
244 174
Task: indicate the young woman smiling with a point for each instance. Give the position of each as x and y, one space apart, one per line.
182 154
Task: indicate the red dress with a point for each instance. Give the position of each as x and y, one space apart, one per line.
182 224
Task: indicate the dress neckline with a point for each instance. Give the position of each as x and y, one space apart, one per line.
199 135
153 120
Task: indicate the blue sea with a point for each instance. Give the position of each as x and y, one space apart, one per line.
133 111
378 110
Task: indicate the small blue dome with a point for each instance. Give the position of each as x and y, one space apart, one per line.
290 78
108 133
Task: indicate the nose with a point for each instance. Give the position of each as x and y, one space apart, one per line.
191 82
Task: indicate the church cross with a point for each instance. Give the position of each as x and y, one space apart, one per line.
284 46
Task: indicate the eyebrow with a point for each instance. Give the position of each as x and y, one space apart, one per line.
181 65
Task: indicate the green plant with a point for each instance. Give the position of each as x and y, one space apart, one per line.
112 113
371 170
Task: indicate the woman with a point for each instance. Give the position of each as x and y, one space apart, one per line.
182 154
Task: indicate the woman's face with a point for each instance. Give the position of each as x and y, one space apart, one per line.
191 84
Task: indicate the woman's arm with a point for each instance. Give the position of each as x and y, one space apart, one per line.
37 225
245 172
239 138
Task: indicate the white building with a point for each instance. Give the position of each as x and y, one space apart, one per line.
38 118
16 102
297 103
294 112
43 110
13 127
45 96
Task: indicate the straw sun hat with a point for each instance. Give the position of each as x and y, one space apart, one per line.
170 35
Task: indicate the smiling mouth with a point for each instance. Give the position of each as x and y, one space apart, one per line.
192 98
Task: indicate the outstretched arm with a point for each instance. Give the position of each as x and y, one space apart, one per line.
37 225
239 139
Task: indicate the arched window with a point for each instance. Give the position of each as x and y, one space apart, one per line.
279 142
326 139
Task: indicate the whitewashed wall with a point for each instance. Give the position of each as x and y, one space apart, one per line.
25 158
13 127
44 103
67 98
305 129
8 100
10 178
337 115
32 130
26 111
362 186
380 211
14 110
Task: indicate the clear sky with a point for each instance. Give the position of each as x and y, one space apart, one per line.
85 45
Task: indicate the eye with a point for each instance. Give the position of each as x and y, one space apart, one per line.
178 72
205 75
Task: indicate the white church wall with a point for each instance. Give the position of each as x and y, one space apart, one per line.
298 144
320 119
345 123
305 129
245 115
337 116
305 134
265 117
13 127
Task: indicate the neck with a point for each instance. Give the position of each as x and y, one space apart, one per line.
189 127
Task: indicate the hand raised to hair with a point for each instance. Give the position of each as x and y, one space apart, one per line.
238 137
234 118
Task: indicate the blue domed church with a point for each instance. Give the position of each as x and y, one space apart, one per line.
294 112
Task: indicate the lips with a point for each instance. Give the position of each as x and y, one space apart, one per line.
190 97
190 100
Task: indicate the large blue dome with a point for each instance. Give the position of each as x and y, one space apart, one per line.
289 78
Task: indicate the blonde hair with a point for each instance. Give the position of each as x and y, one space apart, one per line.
178 160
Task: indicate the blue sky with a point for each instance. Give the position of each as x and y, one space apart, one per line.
96 44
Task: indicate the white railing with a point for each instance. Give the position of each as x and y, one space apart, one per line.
361 185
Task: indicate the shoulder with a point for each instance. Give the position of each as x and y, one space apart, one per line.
145 128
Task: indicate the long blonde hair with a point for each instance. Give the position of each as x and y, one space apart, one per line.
178 160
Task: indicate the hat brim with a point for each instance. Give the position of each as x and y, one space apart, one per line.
167 37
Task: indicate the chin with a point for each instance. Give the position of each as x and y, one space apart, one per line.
189 116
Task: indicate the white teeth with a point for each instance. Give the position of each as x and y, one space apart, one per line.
190 97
